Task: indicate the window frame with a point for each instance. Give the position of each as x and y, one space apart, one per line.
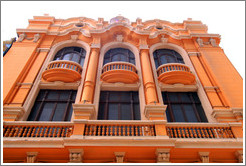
119 103
119 51
44 100
192 102
157 54
71 50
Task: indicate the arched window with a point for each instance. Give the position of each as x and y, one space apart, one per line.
119 54
164 56
75 54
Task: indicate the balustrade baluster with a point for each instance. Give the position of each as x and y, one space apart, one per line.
29 131
190 131
202 132
206 132
128 128
175 132
38 131
230 133
12 131
21 130
54 132
186 129
183 132
16 131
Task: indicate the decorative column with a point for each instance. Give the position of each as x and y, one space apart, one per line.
85 109
204 156
148 79
153 109
162 155
76 155
31 157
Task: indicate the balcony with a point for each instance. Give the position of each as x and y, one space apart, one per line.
100 128
119 72
174 73
61 70
38 129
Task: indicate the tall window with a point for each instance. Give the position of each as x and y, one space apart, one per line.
119 54
53 105
183 107
119 106
164 56
75 54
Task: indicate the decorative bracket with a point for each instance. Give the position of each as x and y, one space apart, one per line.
119 156
204 156
163 155
31 157
76 155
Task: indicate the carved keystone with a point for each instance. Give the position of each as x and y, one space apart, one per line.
31 157
76 155
204 156
239 155
162 155
119 156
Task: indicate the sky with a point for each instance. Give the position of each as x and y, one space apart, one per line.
226 18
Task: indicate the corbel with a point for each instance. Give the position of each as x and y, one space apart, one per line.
31 157
200 42
21 37
76 155
204 156
36 37
162 155
119 156
213 42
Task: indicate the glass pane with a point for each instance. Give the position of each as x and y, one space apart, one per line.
74 95
156 63
178 115
70 112
201 113
103 96
41 94
114 96
113 112
106 61
123 58
34 111
64 95
185 97
168 115
67 56
135 96
125 96
59 112
190 114
82 61
132 61
137 115
52 95
163 59
171 59
75 58
173 97
101 111
46 112
195 97
115 58
126 112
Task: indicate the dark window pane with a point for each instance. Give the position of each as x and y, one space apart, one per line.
185 97
59 112
74 95
126 112
101 112
178 115
46 112
190 114
137 115
69 113
168 114
195 97
34 111
67 57
113 112
125 97
173 97
114 96
41 95
119 54
163 59
103 96
201 113
82 61
64 95
115 58
123 58
53 95
75 58
135 97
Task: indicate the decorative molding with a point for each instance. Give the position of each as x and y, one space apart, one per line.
36 37
21 37
84 110
199 41
31 157
155 111
76 155
119 38
163 39
239 155
178 87
143 46
162 155
194 53
12 113
119 156
74 37
204 156
213 42
43 50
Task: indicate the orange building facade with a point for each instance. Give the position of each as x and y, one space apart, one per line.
80 90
